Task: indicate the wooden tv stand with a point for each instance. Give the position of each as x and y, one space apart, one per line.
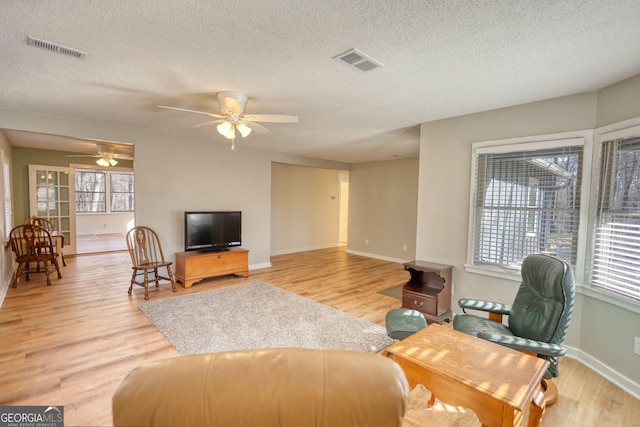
194 266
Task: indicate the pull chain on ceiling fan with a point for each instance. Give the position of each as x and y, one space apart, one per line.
233 118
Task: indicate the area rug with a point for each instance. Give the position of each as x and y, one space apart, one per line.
393 291
259 315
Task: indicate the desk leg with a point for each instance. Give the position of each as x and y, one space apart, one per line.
538 405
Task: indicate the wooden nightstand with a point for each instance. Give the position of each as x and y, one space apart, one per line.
429 290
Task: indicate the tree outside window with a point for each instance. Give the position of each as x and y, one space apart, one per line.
122 192
94 195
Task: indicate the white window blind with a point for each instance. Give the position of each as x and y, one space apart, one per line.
6 176
616 258
526 202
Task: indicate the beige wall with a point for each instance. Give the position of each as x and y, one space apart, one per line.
304 208
619 102
110 223
383 209
602 333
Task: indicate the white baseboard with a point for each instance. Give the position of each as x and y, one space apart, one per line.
605 371
258 266
384 258
304 249
101 232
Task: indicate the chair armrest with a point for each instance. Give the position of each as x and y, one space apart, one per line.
524 344
482 305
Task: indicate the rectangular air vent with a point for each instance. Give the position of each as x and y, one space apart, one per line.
358 60
57 48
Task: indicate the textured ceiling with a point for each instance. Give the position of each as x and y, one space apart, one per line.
441 59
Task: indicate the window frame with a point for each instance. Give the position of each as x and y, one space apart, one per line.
105 192
110 191
622 130
107 172
583 138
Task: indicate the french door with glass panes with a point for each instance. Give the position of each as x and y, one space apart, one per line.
51 196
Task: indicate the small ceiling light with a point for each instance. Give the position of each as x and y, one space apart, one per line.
243 129
227 129
106 160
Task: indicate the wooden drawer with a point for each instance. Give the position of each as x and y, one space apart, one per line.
218 262
424 303
193 266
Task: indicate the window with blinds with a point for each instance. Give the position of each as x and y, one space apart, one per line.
616 257
526 200
6 176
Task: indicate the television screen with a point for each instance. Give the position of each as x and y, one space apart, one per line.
211 231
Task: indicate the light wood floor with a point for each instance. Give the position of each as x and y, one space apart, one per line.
97 243
73 343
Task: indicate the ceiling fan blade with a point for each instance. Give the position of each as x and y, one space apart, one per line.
212 122
83 155
255 127
192 111
271 118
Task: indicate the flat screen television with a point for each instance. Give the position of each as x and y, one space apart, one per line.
212 231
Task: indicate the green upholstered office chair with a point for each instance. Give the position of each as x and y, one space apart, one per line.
538 318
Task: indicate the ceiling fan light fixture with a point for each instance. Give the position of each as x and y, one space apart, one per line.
227 130
106 160
243 129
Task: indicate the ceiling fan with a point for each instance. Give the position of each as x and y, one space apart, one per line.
105 155
232 117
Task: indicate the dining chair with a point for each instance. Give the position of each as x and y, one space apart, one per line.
147 257
56 236
34 251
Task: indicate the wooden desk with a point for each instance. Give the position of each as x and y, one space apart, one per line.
499 384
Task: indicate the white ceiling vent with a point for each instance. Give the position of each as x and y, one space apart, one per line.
57 48
358 60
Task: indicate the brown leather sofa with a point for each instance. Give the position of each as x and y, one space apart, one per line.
272 387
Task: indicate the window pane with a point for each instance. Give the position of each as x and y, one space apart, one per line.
122 192
526 202
616 260
121 202
90 191
121 182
